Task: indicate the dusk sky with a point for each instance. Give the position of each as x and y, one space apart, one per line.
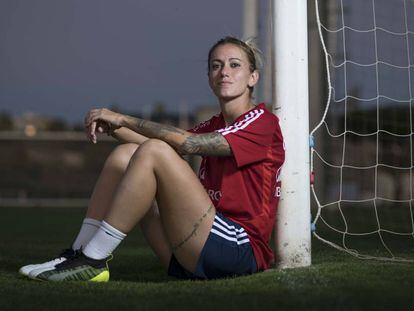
63 57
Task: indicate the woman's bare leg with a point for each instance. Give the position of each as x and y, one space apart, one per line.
112 172
109 179
187 213
154 234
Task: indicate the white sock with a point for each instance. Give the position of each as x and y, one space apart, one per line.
86 232
104 242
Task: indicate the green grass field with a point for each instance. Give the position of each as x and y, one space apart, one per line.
335 281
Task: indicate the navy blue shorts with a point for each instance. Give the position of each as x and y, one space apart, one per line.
227 253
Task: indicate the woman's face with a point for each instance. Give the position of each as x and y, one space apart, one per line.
229 72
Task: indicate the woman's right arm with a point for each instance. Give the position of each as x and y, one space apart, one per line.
184 142
125 135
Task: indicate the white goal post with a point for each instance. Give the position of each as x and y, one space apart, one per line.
290 104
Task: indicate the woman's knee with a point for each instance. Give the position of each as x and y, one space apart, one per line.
155 149
121 155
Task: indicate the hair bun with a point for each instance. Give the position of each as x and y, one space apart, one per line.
258 55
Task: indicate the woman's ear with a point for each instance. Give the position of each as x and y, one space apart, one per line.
254 77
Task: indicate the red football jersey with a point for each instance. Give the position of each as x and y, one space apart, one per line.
245 187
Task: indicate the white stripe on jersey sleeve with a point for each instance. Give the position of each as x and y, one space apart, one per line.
249 118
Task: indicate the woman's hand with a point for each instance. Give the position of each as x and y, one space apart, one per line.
102 120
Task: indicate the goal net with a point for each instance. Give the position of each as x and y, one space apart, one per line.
362 149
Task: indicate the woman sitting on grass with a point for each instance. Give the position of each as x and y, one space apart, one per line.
211 226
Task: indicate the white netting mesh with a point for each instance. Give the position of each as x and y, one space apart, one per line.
363 150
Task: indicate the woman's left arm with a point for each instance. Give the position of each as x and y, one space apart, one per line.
184 142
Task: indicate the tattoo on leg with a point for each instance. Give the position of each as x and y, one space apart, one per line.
194 232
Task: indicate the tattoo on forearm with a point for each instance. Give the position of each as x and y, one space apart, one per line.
194 232
158 130
207 144
213 144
